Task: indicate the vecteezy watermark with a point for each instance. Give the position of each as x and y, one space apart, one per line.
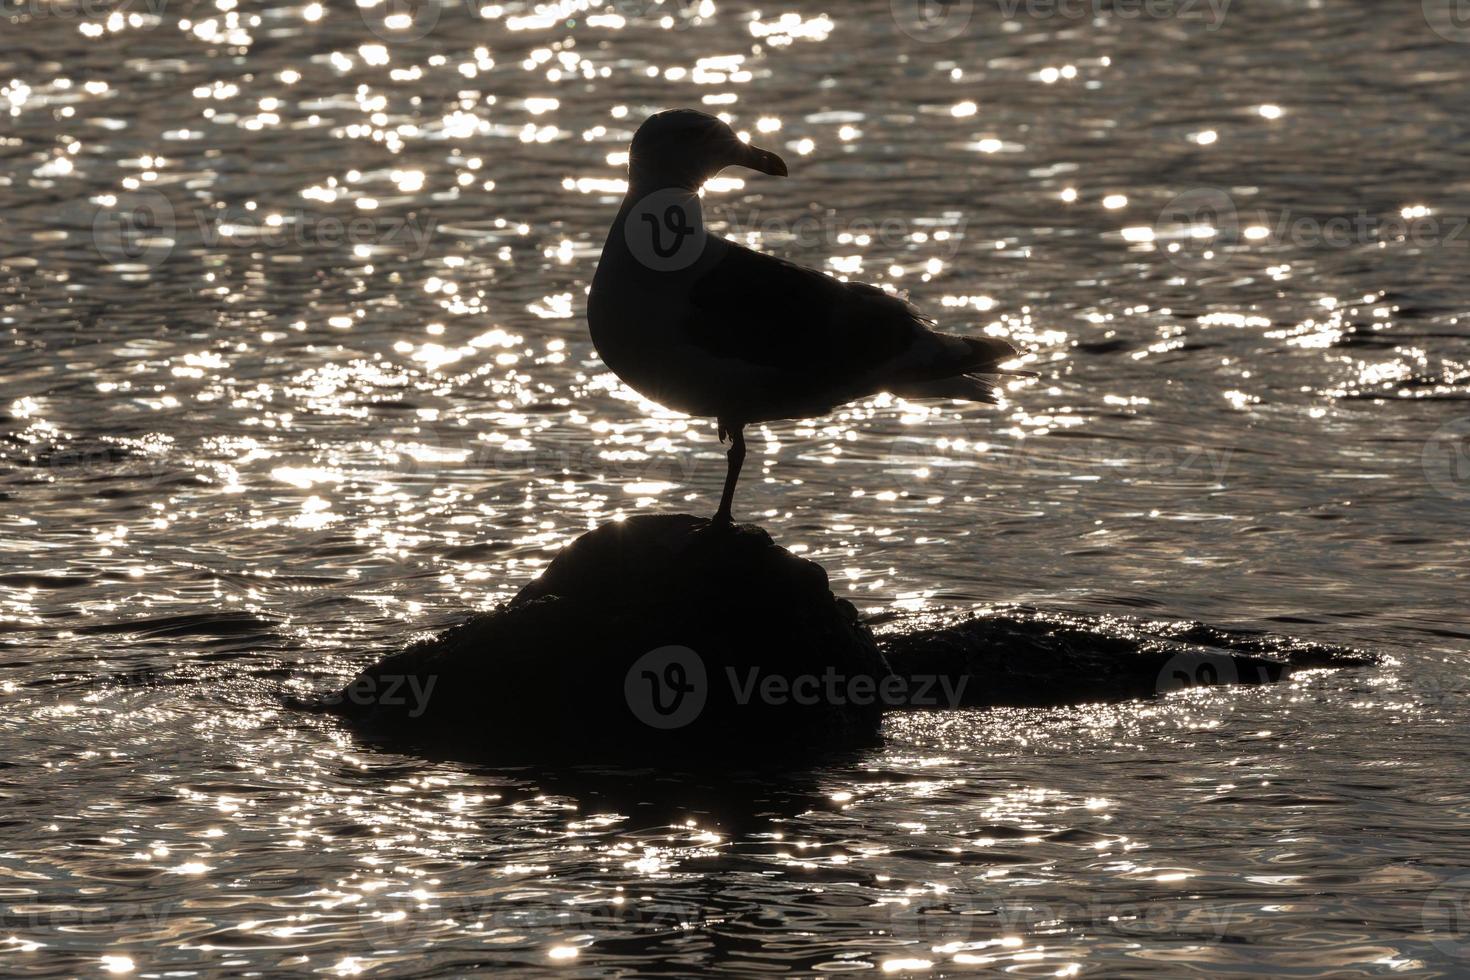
952 464
1191 669
670 687
945 20
954 921
150 461
392 923
994 917
1201 227
409 691
1446 459
411 20
88 9
408 235
834 688
1431 690
425 459
1445 917
142 227
46 919
665 230
1450 19
124 681
393 919
943 239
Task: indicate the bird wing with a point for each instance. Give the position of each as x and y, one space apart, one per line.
812 332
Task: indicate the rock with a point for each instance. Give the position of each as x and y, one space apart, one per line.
1028 658
658 636
660 639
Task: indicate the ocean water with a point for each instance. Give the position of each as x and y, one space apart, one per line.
295 366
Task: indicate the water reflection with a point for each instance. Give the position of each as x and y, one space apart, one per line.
295 362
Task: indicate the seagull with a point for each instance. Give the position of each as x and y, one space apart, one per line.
709 328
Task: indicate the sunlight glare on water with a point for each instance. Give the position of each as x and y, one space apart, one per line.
296 364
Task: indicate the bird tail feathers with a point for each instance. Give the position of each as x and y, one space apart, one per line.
947 367
964 387
986 354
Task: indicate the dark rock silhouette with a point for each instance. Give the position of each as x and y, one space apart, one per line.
1022 657
664 637
660 635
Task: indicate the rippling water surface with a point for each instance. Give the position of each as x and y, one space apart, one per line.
295 364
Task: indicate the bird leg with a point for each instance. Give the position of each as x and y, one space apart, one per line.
734 458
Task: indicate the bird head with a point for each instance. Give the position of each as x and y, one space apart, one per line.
685 148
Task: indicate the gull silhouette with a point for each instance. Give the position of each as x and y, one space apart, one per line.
709 328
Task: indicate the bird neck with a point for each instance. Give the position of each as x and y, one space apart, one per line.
661 202
644 183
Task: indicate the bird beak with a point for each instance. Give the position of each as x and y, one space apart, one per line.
764 161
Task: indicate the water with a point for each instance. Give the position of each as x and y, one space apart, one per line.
249 445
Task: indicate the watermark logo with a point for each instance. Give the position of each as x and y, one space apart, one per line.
1446 917
1198 224
402 20
1187 671
679 14
665 230
1450 19
135 228
932 20
666 688
1446 459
